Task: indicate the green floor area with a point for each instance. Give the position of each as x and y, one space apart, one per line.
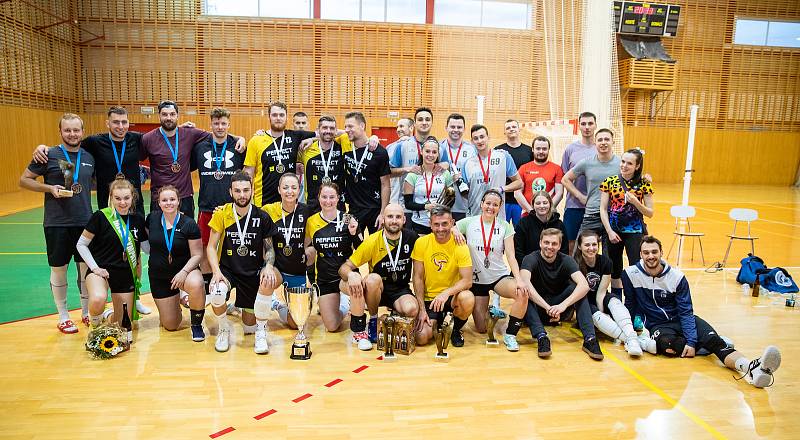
25 284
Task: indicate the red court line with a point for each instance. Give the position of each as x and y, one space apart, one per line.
333 382
302 398
265 414
380 358
223 432
360 369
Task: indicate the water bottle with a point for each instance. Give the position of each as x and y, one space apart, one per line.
638 325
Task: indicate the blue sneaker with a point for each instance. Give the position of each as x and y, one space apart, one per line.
511 342
198 334
372 329
497 312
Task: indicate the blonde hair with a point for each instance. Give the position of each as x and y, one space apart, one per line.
69 117
121 183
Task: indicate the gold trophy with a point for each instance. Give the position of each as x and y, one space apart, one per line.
300 301
441 334
401 336
389 337
447 197
491 323
69 171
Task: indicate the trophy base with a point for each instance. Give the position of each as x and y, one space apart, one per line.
65 193
444 357
301 352
492 344
389 357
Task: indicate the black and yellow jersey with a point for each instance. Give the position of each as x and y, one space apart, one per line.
259 228
312 159
373 251
264 154
295 262
333 243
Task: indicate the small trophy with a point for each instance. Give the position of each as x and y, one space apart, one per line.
389 337
491 323
69 171
447 197
300 301
441 334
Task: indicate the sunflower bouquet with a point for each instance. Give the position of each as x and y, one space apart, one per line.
106 341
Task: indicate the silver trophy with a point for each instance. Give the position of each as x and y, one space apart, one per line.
491 319
300 301
441 334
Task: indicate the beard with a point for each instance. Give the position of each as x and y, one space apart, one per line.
242 202
169 125
277 126
392 228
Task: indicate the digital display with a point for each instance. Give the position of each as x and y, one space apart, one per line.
641 18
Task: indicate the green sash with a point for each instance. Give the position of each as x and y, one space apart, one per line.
130 251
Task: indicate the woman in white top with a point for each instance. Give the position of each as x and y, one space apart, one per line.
421 191
489 239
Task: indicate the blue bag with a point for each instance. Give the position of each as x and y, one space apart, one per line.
751 266
778 280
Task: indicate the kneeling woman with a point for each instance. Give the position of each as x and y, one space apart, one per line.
490 239
110 245
175 252
331 239
608 313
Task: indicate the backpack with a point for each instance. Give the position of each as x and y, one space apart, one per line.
751 266
776 279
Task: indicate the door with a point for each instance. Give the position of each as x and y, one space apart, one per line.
386 135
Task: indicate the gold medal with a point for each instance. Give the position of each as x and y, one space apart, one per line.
287 251
326 180
242 251
280 168
394 276
176 167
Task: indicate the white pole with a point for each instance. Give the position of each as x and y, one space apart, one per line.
687 176
481 103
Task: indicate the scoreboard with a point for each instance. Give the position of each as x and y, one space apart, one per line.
641 18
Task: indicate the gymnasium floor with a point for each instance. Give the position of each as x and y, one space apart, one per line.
169 387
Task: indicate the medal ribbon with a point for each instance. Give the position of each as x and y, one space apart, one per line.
174 151
428 189
277 148
450 153
392 261
77 165
359 162
488 166
487 244
118 160
325 165
221 157
169 239
246 222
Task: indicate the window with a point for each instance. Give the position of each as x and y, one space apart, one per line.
260 8
393 11
508 14
767 33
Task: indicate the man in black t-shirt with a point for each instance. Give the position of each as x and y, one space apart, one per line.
64 214
367 175
522 154
557 285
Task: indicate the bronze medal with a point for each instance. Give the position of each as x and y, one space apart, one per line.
280 168
76 188
176 167
169 258
119 175
124 256
287 251
218 175
242 251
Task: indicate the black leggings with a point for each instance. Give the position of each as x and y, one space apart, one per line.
631 242
707 337
535 315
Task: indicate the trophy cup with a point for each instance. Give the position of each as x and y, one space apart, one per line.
300 301
491 319
69 171
389 337
441 334
447 197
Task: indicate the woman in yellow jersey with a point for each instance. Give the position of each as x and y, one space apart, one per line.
331 237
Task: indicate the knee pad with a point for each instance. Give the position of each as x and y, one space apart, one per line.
218 293
262 306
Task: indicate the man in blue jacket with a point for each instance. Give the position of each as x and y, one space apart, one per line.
660 295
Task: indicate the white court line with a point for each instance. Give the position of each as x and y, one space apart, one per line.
793 225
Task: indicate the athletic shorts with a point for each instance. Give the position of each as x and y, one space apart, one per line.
120 280
61 244
246 288
483 289
202 223
439 316
161 288
592 222
328 287
392 294
294 280
366 217
513 213
572 222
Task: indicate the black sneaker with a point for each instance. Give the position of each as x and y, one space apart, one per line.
198 334
592 348
544 347
457 339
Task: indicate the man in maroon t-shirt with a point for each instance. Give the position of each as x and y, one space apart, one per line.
169 149
539 175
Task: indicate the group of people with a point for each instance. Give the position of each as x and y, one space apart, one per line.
295 208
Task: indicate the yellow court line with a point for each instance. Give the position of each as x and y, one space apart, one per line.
23 253
661 393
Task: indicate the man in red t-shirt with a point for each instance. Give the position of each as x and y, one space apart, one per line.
539 175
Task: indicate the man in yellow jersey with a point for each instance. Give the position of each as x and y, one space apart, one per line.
272 154
388 253
442 278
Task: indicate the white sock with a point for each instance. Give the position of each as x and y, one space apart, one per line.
261 324
622 317
96 320
344 304
84 297
496 300
222 320
742 363
283 312
605 324
58 285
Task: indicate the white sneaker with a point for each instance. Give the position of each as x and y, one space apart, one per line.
262 345
633 348
143 309
759 372
362 340
223 339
